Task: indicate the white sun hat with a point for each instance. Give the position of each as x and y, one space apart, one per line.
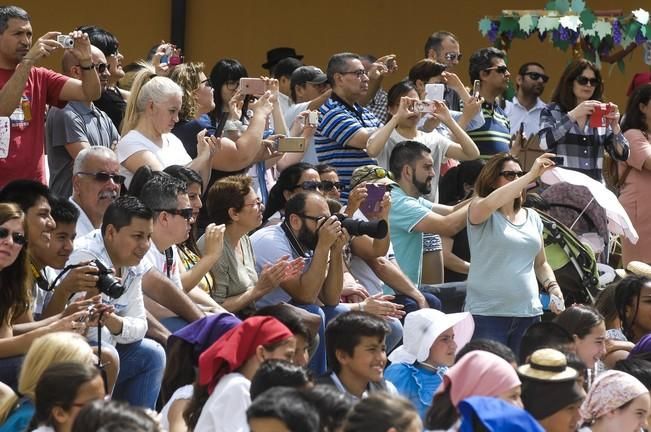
421 329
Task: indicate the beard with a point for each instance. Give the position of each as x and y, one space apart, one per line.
307 238
423 188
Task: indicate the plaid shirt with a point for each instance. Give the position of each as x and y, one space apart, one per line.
379 106
583 149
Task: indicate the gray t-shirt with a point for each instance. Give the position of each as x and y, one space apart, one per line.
74 123
502 280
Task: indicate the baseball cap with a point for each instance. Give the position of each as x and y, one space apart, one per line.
372 174
307 74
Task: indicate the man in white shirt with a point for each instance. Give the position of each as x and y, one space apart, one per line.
526 105
121 244
283 73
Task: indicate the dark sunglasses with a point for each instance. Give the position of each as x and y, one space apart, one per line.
309 185
101 67
582 80
185 213
327 185
377 173
18 238
511 175
537 76
103 177
499 69
453 56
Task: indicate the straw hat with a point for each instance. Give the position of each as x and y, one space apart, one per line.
547 365
635 267
421 329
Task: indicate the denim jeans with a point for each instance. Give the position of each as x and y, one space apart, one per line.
411 305
173 324
9 370
507 330
142 365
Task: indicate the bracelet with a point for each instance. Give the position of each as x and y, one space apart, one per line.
361 307
551 285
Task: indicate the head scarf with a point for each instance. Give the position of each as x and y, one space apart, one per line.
495 415
236 346
479 373
204 332
611 390
642 346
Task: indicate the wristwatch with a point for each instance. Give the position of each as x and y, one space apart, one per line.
91 67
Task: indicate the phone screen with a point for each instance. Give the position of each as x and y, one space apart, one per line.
434 92
375 193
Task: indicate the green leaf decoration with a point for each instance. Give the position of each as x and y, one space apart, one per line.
551 5
562 6
561 44
620 65
633 28
484 26
577 6
508 24
546 23
627 40
603 28
527 23
587 19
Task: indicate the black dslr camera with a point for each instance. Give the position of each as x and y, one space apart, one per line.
377 229
107 283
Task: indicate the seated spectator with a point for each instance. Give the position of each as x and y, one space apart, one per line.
330 184
491 346
114 416
616 401
17 411
443 47
417 367
282 409
77 126
638 367
232 202
282 71
152 110
551 391
545 335
631 308
221 394
478 373
96 183
382 412
332 406
279 373
489 413
63 389
355 343
296 178
121 244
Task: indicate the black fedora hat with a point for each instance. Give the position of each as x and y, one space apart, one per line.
277 54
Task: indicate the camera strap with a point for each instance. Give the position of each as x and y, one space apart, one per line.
353 110
40 280
293 241
100 365
169 260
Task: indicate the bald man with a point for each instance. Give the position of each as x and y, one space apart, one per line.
77 126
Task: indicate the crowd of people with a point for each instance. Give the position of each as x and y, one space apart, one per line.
193 250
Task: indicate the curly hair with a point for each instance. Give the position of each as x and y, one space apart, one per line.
15 280
188 77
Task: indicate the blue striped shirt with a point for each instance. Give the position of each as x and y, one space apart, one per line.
495 135
337 126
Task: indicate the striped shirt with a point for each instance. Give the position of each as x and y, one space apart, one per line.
339 122
495 135
581 149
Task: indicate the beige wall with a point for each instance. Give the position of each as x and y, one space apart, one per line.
246 30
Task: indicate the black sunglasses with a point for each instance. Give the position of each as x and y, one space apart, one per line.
103 177
328 185
594 82
453 56
185 213
499 69
18 238
314 218
309 185
511 175
537 76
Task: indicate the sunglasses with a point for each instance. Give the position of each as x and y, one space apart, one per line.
185 213
309 185
328 185
103 177
453 56
358 73
499 69
101 67
582 80
511 175
18 238
377 173
537 76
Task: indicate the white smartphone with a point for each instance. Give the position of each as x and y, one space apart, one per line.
556 300
434 92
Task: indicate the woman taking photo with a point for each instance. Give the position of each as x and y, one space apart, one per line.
504 307
635 175
567 128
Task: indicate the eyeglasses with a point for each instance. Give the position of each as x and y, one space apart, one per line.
583 80
207 82
314 218
103 177
256 203
100 67
378 173
185 213
453 56
309 185
18 238
232 85
328 185
499 69
358 73
511 175
537 76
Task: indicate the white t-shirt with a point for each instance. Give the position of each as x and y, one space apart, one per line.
182 393
225 409
436 142
158 261
292 112
171 152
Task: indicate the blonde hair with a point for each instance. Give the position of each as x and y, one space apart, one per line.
45 351
188 77
147 86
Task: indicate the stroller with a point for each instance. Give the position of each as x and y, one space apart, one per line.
573 262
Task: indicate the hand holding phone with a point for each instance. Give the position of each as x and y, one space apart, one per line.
253 86
557 302
375 194
476 87
434 91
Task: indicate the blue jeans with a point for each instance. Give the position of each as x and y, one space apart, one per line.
411 305
173 324
142 365
9 370
507 330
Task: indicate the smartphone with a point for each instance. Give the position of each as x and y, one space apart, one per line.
252 86
423 106
219 130
290 144
598 116
558 160
521 129
476 86
556 300
175 60
434 92
313 118
375 193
